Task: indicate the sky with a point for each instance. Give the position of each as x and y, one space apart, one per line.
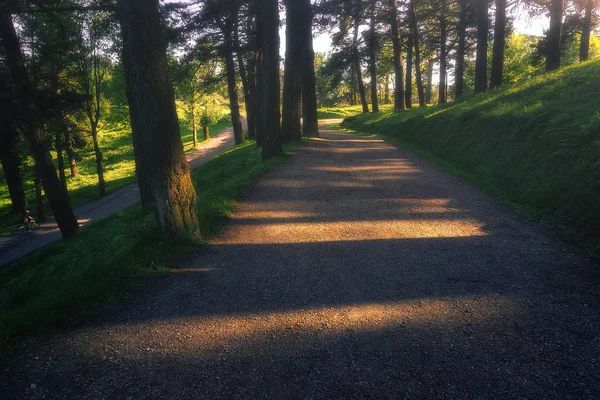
523 24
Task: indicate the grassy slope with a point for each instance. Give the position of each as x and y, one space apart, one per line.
338 112
69 279
535 145
119 166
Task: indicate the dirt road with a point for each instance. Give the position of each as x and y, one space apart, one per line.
354 270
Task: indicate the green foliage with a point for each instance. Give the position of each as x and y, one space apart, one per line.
71 279
535 144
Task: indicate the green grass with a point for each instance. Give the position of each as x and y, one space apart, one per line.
338 112
71 279
119 166
535 145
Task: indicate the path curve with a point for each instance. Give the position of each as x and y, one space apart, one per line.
17 245
354 270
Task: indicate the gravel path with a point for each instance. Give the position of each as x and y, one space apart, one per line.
17 245
354 270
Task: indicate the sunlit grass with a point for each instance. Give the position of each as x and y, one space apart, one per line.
119 165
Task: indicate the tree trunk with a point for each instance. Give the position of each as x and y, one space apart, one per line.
419 75
358 70
386 90
443 95
58 143
429 93
373 60
584 48
194 123
553 38
460 52
245 85
162 171
99 159
307 71
234 106
69 148
39 199
291 129
205 132
270 116
34 130
399 99
409 69
252 116
483 24
11 165
499 45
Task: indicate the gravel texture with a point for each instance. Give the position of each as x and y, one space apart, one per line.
355 270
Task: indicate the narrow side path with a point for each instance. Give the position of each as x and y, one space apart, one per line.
17 245
354 270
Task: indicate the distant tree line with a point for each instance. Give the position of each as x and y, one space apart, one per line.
472 41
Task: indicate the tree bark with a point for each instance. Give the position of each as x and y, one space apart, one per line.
234 105
409 69
11 165
252 115
553 36
69 148
307 58
399 99
162 170
58 143
205 132
34 129
386 90
270 88
373 59
499 45
584 47
429 92
291 129
99 159
39 199
460 52
194 122
419 75
443 94
483 24
244 80
358 70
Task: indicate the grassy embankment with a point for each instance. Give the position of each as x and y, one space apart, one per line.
119 165
72 278
535 145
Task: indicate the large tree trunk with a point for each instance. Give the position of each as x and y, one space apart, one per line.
251 59
307 57
245 84
194 122
234 105
373 60
443 95
58 143
483 24
358 70
162 171
39 198
553 38
399 99
499 45
429 92
11 165
270 116
69 148
419 75
459 78
409 68
291 129
99 159
584 48
34 130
